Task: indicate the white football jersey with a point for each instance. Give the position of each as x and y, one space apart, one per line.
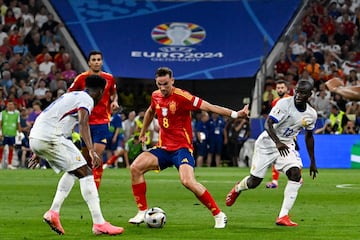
289 120
60 117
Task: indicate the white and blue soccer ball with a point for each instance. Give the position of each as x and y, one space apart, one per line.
155 217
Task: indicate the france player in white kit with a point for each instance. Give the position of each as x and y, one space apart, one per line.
276 145
49 140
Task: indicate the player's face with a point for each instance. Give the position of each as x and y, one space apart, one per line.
165 84
281 89
95 63
302 94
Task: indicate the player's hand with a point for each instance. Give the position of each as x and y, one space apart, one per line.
33 161
244 112
283 149
313 170
114 106
334 83
96 160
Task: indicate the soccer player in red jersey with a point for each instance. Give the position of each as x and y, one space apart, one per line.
100 116
173 108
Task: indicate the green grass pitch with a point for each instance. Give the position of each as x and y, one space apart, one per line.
323 210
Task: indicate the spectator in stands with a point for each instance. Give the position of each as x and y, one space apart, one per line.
51 25
349 128
298 47
47 100
202 138
26 15
3 9
322 104
53 46
313 68
46 65
332 47
9 19
25 29
35 45
13 5
338 119
19 72
41 16
316 47
6 48
2 34
282 65
6 81
129 125
68 74
40 89
23 87
20 47
216 127
34 113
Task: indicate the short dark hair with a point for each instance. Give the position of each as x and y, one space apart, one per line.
163 71
95 82
281 81
94 52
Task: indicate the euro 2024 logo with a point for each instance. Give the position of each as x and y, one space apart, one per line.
177 37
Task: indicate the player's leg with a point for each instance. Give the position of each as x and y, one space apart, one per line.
275 178
187 178
144 162
292 166
262 159
91 197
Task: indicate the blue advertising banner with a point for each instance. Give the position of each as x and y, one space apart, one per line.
198 39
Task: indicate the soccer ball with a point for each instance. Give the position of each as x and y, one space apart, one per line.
155 217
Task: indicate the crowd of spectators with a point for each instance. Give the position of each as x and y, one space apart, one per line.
325 44
35 67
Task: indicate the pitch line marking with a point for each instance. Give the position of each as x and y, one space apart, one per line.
351 186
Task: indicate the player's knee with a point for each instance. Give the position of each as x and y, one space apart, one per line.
253 182
294 174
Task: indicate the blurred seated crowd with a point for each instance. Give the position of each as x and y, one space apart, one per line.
35 67
325 45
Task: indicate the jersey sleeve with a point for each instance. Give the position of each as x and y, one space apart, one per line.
77 84
279 111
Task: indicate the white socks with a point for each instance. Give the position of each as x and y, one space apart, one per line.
290 194
242 185
91 196
63 189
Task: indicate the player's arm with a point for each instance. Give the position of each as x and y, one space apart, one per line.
84 131
269 127
206 106
309 140
336 85
148 117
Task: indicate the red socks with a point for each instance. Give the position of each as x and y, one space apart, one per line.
209 202
139 191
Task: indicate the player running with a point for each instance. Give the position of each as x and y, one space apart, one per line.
276 146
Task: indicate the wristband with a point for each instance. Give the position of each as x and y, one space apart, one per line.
234 114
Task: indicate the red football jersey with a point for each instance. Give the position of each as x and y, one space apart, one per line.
174 115
101 112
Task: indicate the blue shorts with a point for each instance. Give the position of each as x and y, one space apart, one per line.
9 141
215 145
99 133
201 149
173 158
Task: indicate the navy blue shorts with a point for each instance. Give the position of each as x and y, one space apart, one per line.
173 158
99 133
9 141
